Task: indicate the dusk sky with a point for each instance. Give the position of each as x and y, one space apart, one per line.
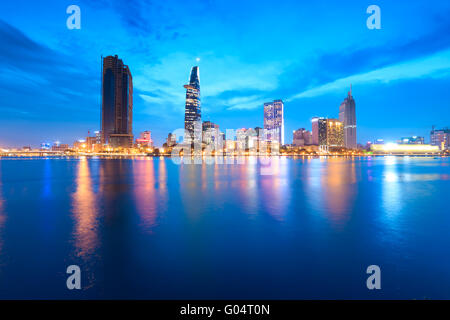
249 52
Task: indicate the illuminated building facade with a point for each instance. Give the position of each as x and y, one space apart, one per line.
315 122
210 133
61 147
145 139
117 103
394 148
246 139
171 140
347 115
274 121
90 143
440 138
45 146
330 133
192 114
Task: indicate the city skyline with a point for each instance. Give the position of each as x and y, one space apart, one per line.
50 88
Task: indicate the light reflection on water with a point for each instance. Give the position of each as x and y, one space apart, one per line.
145 192
85 215
2 216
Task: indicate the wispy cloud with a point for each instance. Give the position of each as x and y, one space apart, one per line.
436 65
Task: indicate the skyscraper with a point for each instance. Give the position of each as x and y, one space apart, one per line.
347 115
274 121
192 114
117 103
330 133
315 130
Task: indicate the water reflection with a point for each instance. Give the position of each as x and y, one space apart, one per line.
85 211
275 187
332 188
2 215
391 188
248 185
190 181
148 200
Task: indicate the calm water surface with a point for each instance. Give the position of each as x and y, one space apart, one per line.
148 228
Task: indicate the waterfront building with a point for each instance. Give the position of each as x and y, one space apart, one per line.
98 137
61 147
45 146
145 139
347 115
247 139
117 103
315 130
171 140
404 149
91 143
301 137
192 114
80 145
440 138
210 133
330 133
274 121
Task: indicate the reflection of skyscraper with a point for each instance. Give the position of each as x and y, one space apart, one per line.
117 103
192 114
347 115
274 121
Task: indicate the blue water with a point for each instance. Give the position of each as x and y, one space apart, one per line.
148 228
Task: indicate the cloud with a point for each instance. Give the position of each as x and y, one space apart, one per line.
436 65
32 70
245 103
162 83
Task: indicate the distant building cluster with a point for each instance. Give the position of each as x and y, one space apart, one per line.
440 138
329 134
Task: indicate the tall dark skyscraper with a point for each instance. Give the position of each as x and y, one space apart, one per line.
193 114
117 103
347 115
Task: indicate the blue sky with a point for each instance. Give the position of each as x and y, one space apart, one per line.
304 52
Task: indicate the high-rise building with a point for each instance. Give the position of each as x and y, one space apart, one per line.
347 115
440 138
315 130
171 140
274 121
246 139
330 133
301 137
117 103
192 114
210 133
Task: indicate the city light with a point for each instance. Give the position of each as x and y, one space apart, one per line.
404 148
